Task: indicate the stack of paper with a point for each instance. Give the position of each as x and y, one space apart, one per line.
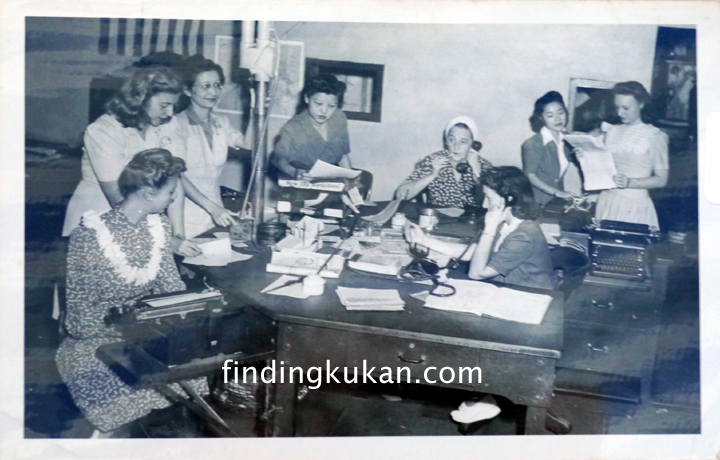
370 299
305 263
386 264
487 299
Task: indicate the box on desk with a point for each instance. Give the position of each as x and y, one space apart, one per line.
178 327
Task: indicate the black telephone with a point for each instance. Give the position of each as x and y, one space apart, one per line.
464 167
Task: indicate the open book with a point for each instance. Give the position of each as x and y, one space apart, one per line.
499 302
597 162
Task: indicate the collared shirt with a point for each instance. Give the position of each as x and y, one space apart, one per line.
504 230
206 125
547 137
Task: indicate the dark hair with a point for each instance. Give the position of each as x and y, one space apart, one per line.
513 185
149 168
128 105
194 66
638 91
325 83
536 121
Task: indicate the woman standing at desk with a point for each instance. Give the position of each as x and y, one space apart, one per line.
206 136
512 248
640 152
113 260
546 156
447 183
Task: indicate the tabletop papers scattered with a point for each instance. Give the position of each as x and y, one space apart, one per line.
305 263
291 287
499 302
386 264
322 170
385 215
216 253
370 299
597 164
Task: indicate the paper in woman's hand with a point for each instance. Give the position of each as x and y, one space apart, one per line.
596 162
322 170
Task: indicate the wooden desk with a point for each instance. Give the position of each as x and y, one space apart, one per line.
517 360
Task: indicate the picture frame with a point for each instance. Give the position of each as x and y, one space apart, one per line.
363 97
587 99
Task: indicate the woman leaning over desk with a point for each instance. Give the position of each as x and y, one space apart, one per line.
640 152
206 137
448 185
512 248
546 156
113 260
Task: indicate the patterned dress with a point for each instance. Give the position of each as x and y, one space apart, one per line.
446 190
93 287
638 150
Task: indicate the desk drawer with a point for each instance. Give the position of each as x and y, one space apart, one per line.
614 350
612 307
522 378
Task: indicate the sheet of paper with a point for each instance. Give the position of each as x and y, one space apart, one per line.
386 214
216 253
470 297
189 297
364 296
307 230
221 235
451 212
292 290
585 142
322 170
520 306
598 168
239 257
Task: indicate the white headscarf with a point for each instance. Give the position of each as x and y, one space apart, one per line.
464 120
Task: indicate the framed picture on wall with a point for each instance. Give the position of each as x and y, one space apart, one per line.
363 96
681 80
590 102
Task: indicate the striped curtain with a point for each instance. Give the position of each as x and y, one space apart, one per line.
139 37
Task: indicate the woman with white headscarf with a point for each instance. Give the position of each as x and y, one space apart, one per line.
447 184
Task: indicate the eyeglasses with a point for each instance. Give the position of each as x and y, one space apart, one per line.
208 86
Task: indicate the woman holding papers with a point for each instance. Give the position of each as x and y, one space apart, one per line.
640 152
319 132
206 136
546 156
512 248
449 175
114 259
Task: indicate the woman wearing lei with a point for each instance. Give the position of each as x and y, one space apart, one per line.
113 260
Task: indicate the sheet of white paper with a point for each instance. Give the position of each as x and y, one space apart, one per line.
239 257
307 230
585 142
470 297
189 297
322 170
598 170
221 235
520 306
293 290
216 253
386 214
364 296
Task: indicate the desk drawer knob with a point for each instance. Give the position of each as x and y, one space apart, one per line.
603 349
411 361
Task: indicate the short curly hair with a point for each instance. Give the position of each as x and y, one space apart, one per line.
149 168
325 83
128 105
513 185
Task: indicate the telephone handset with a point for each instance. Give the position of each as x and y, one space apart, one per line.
464 167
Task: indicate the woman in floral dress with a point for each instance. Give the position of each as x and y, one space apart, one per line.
114 259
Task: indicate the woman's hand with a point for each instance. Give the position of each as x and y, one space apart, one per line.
414 234
402 193
565 195
621 180
222 216
493 218
579 153
438 163
186 248
473 159
301 174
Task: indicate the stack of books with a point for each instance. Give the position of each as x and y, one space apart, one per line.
370 299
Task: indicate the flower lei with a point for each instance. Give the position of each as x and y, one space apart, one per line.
118 260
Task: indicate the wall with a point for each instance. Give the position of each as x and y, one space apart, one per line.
60 60
492 73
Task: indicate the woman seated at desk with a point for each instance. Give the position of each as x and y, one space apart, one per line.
113 260
512 248
449 185
546 156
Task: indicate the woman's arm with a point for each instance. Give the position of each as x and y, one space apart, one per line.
168 278
479 263
176 214
220 215
410 188
531 159
415 235
657 180
112 192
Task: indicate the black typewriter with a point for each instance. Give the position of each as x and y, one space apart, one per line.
620 250
177 327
